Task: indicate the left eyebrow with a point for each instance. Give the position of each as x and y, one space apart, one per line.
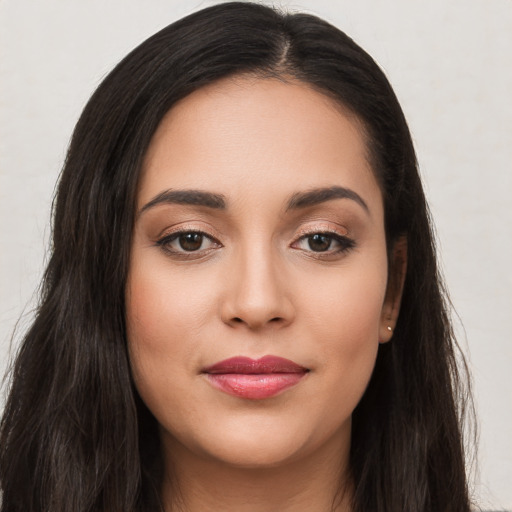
188 197
320 195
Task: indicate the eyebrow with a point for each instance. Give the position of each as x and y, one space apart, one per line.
297 201
188 197
320 195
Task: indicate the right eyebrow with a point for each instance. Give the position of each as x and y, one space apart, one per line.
189 197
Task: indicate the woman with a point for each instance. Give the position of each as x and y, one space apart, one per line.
242 310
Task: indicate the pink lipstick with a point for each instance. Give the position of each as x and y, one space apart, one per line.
254 379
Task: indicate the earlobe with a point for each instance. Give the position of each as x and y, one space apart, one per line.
394 290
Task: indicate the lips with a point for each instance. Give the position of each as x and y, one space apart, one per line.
254 379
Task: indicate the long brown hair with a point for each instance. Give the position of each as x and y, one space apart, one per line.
75 435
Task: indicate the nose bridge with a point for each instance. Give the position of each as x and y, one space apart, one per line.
258 292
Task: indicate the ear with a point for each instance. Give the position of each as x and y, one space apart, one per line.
394 290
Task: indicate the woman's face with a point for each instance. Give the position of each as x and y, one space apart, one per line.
259 234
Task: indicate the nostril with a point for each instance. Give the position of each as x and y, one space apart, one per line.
273 320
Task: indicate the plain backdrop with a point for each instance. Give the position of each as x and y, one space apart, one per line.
450 64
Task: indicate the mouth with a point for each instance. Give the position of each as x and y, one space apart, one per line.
255 379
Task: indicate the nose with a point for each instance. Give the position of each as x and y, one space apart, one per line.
258 294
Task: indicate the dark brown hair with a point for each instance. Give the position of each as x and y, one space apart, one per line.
75 436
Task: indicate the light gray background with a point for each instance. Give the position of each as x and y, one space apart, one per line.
450 64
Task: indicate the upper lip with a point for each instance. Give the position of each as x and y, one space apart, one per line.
246 365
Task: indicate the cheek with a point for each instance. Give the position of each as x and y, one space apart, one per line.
159 323
156 319
162 308
344 318
347 304
168 320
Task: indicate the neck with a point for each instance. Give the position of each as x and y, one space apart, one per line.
199 484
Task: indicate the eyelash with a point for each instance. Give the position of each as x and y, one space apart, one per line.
166 240
346 243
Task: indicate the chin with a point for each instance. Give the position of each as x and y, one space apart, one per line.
260 443
263 451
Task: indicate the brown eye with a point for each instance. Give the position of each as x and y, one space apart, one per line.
183 242
190 241
326 242
319 242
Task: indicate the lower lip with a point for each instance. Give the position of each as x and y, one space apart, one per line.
254 386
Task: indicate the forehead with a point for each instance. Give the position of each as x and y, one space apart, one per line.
263 136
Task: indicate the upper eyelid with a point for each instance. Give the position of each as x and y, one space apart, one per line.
177 233
323 229
340 238
185 228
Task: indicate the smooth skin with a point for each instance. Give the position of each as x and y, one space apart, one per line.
261 280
